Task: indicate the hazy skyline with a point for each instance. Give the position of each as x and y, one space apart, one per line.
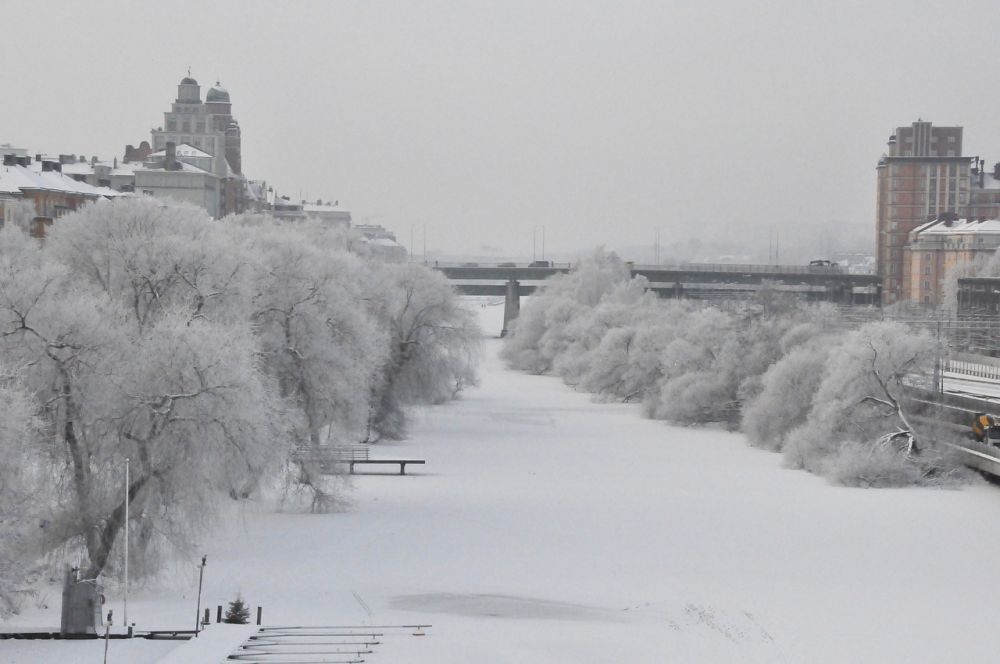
475 122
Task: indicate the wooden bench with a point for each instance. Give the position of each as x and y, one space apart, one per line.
328 458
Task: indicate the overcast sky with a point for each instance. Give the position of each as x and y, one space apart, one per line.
477 123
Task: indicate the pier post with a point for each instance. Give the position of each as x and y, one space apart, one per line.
511 305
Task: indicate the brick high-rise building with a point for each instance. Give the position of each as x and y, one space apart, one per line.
923 175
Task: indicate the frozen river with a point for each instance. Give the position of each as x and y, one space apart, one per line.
546 528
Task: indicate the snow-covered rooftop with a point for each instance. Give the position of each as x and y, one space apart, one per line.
15 179
312 207
960 227
185 167
184 150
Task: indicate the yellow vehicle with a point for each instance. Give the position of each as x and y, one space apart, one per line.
986 429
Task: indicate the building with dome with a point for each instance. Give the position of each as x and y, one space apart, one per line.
208 126
196 155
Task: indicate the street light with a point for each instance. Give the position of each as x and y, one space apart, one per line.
534 242
197 613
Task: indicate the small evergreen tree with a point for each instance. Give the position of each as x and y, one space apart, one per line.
238 612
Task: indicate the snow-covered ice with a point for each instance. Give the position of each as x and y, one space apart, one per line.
546 528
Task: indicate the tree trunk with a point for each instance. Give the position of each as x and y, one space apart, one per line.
101 538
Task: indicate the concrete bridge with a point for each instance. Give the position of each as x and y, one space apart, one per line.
829 283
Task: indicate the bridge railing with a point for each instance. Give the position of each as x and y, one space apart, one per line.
833 270
756 269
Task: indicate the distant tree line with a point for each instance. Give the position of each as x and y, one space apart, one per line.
205 352
793 376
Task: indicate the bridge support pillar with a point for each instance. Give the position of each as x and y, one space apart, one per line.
511 305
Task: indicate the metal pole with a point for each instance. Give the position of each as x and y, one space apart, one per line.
197 613
543 242
107 637
534 243
126 539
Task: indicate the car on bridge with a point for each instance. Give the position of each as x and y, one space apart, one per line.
540 264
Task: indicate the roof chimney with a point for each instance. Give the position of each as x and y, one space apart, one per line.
170 163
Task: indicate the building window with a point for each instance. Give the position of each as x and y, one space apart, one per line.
171 125
927 285
927 269
951 139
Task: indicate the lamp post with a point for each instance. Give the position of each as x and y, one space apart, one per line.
126 541
197 613
534 242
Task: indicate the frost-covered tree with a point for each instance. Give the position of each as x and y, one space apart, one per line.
788 389
22 215
858 430
182 397
315 331
550 322
432 345
154 258
24 497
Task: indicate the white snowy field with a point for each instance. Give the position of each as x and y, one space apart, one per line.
546 528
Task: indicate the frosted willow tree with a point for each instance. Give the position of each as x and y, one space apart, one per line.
859 429
24 499
788 389
180 396
549 323
153 259
315 332
431 349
